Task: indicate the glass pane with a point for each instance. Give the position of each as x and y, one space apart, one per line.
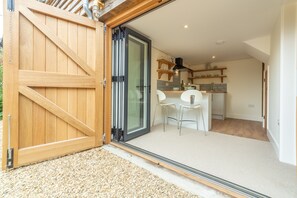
137 85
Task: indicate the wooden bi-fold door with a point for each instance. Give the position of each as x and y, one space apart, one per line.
53 91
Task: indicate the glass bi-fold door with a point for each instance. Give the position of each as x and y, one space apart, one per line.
131 84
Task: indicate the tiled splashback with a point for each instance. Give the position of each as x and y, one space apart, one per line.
168 86
213 87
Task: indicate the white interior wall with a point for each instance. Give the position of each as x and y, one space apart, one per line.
274 87
244 82
155 55
288 84
259 48
282 84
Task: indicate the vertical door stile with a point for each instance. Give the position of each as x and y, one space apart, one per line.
39 65
10 82
122 84
82 93
99 74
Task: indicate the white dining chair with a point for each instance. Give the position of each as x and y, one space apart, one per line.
191 100
165 107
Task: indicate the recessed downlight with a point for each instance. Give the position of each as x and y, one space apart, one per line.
186 26
213 57
220 42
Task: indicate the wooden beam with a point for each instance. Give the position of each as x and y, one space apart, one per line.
58 13
77 7
99 92
61 3
55 149
72 5
56 110
66 4
50 79
133 12
56 3
56 40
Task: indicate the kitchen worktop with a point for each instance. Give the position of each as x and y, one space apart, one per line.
203 92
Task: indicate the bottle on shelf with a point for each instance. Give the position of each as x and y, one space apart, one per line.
182 85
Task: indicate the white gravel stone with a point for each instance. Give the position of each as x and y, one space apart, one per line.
92 173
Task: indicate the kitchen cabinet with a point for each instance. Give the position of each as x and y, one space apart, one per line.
167 71
206 76
219 106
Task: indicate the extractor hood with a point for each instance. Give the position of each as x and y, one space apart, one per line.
179 65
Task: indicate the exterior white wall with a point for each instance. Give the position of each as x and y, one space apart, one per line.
244 82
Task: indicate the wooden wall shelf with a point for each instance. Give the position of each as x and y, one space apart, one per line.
163 71
167 71
166 62
216 69
222 76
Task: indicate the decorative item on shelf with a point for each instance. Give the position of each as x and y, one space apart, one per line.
165 67
207 65
215 67
216 75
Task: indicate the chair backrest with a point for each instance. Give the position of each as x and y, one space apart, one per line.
195 94
160 96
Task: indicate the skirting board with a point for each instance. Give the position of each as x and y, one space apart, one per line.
273 142
244 117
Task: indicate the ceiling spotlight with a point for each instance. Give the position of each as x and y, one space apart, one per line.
213 57
186 26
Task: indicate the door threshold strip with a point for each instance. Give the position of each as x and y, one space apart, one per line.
220 184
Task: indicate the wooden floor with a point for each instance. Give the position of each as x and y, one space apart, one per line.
242 128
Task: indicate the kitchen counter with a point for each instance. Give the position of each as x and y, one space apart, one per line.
215 91
174 97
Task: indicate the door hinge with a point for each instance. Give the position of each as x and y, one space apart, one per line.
10 5
103 82
118 78
9 158
117 133
9 161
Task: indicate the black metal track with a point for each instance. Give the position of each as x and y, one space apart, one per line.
211 178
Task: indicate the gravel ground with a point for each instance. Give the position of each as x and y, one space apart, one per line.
92 173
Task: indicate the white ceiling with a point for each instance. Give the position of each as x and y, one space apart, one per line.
234 21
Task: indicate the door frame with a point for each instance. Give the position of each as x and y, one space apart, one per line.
141 8
135 11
